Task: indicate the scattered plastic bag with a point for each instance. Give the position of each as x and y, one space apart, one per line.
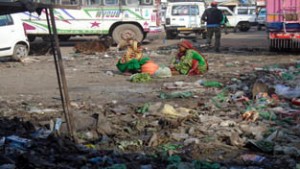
253 158
204 164
144 108
287 92
163 72
140 77
179 94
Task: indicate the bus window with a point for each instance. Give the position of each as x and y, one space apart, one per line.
111 2
132 2
146 2
93 2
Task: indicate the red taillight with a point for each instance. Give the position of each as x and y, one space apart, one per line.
24 29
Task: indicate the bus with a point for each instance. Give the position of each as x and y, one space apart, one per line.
120 19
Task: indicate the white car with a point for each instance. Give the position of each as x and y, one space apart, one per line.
184 18
13 41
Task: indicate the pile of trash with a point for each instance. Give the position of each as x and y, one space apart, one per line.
252 121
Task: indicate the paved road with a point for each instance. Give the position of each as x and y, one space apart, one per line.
239 40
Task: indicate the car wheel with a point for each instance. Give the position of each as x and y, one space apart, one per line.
20 52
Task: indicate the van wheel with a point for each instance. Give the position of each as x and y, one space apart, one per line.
20 52
244 27
171 34
127 31
204 35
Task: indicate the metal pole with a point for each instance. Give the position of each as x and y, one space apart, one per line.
61 76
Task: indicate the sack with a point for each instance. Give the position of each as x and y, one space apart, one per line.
163 72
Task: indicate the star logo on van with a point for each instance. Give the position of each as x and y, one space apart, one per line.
95 24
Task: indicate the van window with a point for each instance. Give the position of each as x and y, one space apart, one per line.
5 20
225 12
185 10
242 11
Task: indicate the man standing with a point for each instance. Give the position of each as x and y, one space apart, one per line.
213 17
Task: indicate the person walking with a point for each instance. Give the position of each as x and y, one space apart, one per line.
213 18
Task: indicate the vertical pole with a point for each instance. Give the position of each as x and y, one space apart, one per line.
62 83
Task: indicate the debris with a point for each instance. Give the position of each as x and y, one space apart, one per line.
163 72
176 94
253 158
140 77
170 111
251 115
91 47
207 83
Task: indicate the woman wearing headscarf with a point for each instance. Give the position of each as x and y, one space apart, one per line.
189 61
133 59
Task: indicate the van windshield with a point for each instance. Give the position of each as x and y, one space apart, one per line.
185 10
262 12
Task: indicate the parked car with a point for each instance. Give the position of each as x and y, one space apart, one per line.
261 18
13 41
184 18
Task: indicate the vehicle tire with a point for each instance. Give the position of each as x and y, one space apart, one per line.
127 31
20 52
259 27
244 27
64 37
171 34
31 38
204 35
46 38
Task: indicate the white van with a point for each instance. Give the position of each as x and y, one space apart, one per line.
13 41
238 20
184 18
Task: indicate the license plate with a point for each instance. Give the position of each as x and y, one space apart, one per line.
185 29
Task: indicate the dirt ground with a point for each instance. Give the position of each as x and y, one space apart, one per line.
89 77
94 82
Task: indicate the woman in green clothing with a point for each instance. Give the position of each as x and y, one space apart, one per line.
133 59
189 61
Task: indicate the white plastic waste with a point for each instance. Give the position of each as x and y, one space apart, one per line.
286 91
